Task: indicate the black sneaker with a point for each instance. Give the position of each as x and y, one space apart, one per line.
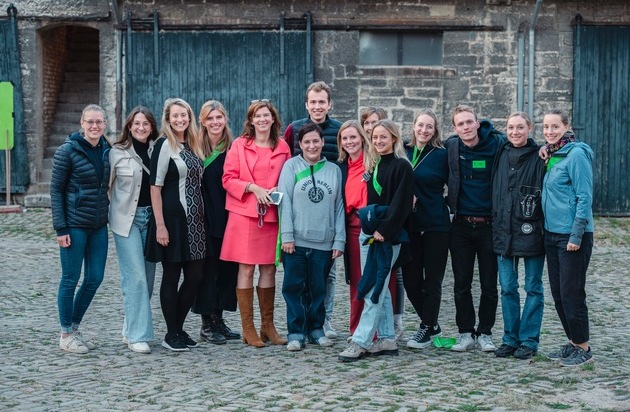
577 357
504 351
226 331
175 343
562 353
435 331
524 352
421 339
188 340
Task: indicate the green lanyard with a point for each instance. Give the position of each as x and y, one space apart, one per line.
416 156
377 186
307 172
215 153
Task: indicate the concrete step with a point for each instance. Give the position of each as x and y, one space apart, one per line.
71 108
64 129
45 175
73 118
40 196
83 67
92 78
77 98
50 150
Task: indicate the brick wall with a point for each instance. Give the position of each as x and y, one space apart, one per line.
55 52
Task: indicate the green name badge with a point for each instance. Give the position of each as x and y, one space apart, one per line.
479 164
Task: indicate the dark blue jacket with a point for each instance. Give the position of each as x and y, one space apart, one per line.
429 177
330 128
378 264
78 188
470 171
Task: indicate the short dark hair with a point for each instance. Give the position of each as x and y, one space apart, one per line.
310 127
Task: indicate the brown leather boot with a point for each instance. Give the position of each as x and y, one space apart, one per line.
246 307
267 329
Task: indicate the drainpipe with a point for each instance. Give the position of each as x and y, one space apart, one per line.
532 50
520 88
119 91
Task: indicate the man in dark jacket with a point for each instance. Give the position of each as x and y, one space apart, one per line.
318 104
471 154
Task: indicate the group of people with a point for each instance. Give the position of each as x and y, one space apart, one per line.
213 207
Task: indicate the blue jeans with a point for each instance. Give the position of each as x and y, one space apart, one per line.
88 248
137 277
304 290
521 329
331 283
375 317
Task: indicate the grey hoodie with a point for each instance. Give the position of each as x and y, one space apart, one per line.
312 217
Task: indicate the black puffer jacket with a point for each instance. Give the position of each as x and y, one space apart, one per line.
517 219
78 188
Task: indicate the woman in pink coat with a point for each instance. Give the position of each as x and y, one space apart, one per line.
251 171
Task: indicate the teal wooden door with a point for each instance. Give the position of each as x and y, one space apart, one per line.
232 67
601 109
10 72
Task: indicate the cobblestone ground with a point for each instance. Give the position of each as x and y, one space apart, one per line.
36 375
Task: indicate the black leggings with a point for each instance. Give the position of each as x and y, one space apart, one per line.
176 303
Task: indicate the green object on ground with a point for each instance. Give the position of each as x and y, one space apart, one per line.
445 343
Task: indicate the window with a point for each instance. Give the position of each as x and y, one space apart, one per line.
400 49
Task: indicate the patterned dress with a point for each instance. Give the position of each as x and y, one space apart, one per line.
179 173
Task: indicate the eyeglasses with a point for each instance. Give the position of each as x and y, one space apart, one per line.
260 101
262 211
98 123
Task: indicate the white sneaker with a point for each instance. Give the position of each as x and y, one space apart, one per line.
84 339
72 344
139 347
294 346
383 347
349 339
485 343
329 331
324 341
466 341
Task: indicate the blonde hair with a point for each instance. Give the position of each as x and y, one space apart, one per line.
435 139
368 161
191 134
226 135
399 149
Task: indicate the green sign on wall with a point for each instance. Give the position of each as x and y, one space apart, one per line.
6 115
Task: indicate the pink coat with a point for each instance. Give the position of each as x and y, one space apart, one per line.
237 173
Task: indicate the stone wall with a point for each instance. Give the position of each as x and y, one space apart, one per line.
480 48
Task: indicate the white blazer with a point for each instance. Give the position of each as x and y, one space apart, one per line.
125 181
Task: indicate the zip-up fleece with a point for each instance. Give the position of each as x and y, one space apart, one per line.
312 213
568 192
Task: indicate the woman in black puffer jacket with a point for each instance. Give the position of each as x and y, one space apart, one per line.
517 228
78 194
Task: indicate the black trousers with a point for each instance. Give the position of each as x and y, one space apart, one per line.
423 276
567 280
217 291
176 303
467 242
